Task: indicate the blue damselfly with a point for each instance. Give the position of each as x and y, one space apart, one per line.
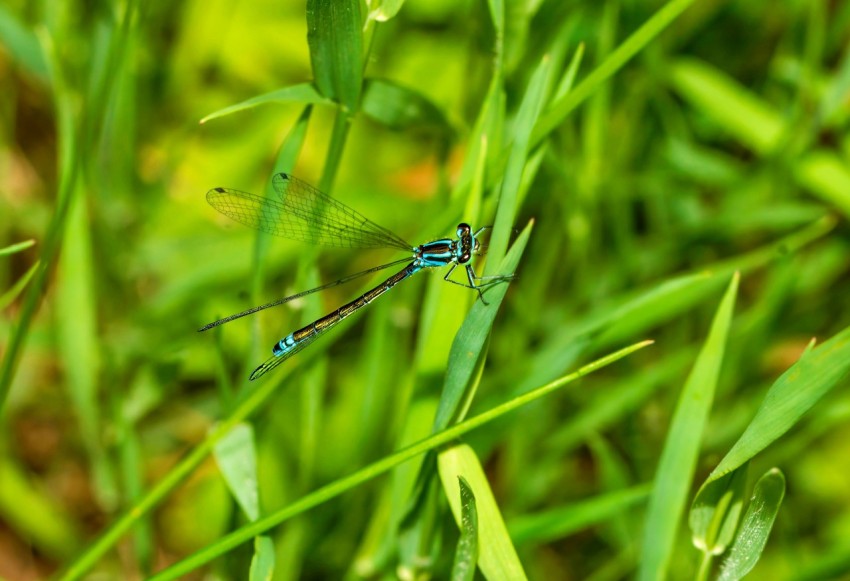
305 214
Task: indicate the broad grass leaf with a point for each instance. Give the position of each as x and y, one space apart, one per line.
497 557
236 457
742 114
798 389
22 44
400 107
262 563
335 36
755 529
681 448
716 511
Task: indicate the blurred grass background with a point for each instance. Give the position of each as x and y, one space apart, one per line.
722 145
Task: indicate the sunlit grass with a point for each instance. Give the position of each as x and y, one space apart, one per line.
632 160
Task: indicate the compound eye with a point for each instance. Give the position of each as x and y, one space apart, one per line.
463 229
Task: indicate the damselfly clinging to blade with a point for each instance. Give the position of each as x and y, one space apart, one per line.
306 214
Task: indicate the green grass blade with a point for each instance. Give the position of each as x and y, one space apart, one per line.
334 33
236 457
383 10
68 168
375 469
470 340
567 81
22 44
532 103
262 564
678 459
760 127
303 93
35 515
12 293
497 557
466 554
827 176
792 395
743 115
755 529
400 107
716 511
563 521
558 110
18 247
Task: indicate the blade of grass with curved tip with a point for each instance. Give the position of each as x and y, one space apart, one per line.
681 447
304 93
758 522
639 39
466 554
338 487
334 33
798 389
497 557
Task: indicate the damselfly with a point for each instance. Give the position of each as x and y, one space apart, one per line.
304 213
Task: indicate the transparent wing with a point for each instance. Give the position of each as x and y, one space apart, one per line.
304 214
274 360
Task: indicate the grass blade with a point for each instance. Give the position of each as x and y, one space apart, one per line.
10 295
678 459
558 111
262 564
466 555
794 393
399 107
741 113
529 110
342 485
22 44
470 340
563 521
497 557
18 247
236 457
304 93
716 511
758 522
334 33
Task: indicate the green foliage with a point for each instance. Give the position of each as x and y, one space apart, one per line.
631 159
